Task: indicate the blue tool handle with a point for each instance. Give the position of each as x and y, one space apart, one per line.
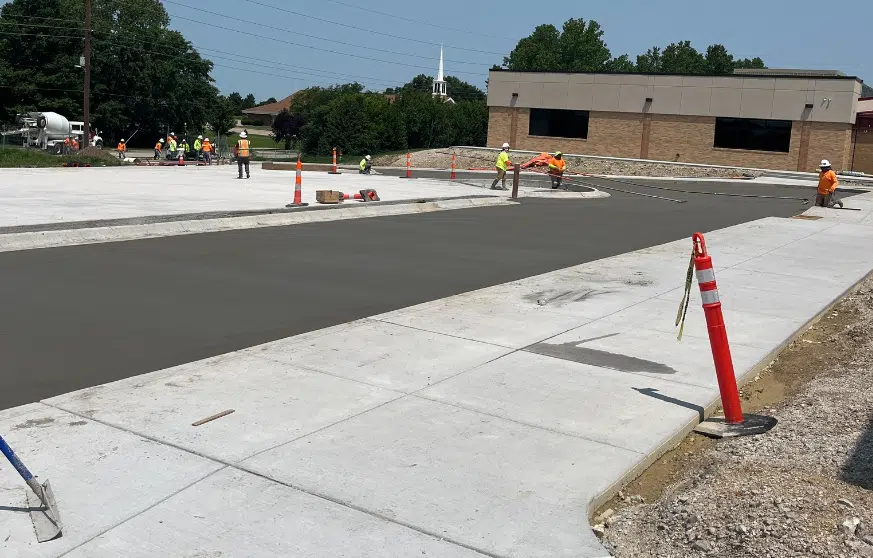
19 466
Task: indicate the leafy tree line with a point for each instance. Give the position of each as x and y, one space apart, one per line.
579 47
358 121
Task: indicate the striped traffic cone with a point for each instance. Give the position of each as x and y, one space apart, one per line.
298 187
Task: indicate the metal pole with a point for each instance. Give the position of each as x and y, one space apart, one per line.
516 175
87 84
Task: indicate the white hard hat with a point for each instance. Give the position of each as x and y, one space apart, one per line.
199 137
368 157
505 146
122 140
243 135
207 139
161 140
825 163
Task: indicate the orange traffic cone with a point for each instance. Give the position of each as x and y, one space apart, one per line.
298 187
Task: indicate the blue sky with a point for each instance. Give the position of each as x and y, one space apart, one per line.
785 33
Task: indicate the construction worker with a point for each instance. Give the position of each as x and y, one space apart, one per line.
198 147
207 151
557 166
185 147
365 165
66 150
242 150
159 147
171 147
122 148
75 144
827 186
502 164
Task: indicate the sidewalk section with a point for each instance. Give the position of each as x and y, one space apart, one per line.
485 424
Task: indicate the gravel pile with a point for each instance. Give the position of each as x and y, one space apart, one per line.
804 489
480 158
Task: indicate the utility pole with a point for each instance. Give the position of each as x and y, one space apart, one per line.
87 85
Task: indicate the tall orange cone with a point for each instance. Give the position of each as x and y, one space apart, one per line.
298 186
408 166
182 159
333 169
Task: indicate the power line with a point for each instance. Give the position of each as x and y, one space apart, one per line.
394 62
419 22
392 35
314 36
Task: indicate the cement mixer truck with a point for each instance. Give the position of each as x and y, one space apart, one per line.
48 130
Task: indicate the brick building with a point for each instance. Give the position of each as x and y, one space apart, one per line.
778 119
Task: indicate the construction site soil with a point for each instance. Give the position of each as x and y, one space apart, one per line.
484 159
804 489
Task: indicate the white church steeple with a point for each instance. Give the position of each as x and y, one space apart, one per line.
439 84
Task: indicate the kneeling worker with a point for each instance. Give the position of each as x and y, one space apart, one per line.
557 166
365 165
827 186
242 152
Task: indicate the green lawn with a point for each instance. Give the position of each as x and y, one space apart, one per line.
16 157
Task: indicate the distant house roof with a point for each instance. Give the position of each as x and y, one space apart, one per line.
273 108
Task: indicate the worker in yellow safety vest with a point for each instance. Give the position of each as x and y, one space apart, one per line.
243 153
557 166
502 164
365 165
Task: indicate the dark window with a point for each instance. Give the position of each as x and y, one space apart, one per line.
558 123
753 134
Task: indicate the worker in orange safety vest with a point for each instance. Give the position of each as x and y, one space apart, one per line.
122 148
827 186
242 150
557 166
207 151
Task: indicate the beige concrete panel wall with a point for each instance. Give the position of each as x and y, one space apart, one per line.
794 84
725 101
606 97
696 101
669 81
691 137
580 96
696 81
842 85
788 104
830 106
631 98
666 99
555 95
530 95
500 92
756 103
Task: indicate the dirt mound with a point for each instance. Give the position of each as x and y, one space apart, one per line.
95 153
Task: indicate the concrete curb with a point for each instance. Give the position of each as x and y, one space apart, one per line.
72 237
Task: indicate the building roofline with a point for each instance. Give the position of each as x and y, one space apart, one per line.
744 75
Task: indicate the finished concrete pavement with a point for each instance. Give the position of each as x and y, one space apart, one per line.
485 423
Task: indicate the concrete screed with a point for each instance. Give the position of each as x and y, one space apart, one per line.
487 423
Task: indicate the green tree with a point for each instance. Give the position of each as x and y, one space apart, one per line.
269 101
222 116
719 61
286 128
754 63
621 65
650 62
462 91
579 47
236 100
133 88
248 102
682 58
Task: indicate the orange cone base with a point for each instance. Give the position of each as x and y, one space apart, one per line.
301 204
